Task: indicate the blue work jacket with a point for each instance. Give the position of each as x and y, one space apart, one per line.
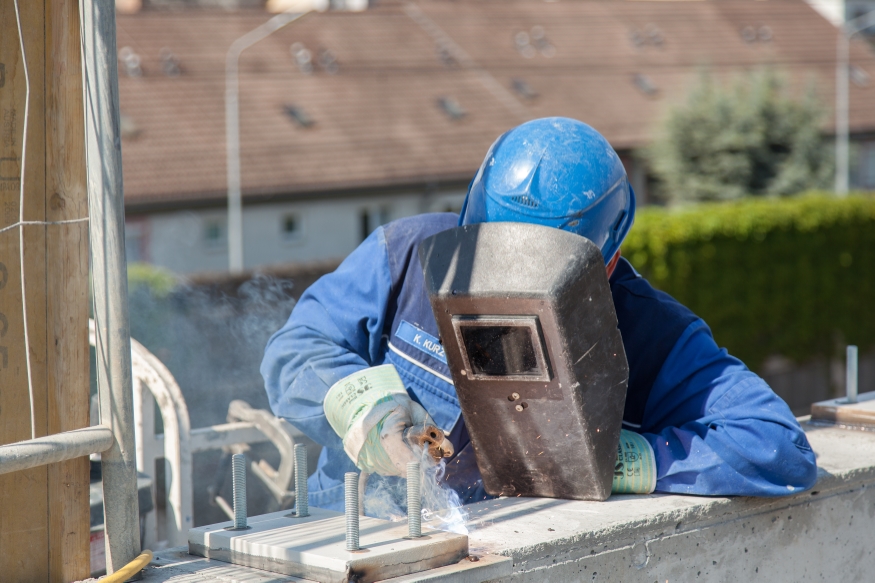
716 427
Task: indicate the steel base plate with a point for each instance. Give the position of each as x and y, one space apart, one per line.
314 547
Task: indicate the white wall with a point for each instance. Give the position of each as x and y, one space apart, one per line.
838 11
192 241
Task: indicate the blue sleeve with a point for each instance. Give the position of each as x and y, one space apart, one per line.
718 429
335 330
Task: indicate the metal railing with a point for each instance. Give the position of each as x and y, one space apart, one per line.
154 385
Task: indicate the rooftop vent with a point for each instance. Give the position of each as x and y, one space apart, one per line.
859 76
654 35
645 84
328 61
451 107
523 89
130 62
651 35
169 63
523 45
445 56
299 115
750 34
302 58
529 44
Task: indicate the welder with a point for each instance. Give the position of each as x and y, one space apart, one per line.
360 359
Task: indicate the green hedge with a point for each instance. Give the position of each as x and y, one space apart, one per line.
789 276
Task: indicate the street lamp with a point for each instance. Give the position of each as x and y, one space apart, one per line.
232 131
846 31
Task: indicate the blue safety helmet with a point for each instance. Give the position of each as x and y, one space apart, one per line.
557 172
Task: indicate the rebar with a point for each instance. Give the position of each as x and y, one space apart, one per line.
301 500
238 475
851 374
351 494
414 501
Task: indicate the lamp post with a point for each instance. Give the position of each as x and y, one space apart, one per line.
846 31
232 131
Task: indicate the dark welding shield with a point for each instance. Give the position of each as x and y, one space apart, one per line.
530 333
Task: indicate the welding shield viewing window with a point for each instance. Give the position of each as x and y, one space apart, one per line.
502 347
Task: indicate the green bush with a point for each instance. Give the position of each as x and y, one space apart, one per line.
158 282
792 276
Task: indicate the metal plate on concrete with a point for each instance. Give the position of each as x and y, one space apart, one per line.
859 415
315 547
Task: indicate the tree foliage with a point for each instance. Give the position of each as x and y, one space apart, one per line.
749 137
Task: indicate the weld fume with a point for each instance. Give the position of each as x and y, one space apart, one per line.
441 507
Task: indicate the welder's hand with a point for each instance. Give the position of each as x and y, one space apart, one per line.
635 472
371 411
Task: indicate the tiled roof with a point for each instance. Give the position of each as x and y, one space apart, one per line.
377 120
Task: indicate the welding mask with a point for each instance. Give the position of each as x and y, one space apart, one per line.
530 333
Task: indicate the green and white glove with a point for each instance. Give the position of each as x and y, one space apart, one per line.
370 410
635 472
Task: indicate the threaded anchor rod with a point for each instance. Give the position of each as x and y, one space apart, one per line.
414 501
351 496
238 479
301 500
851 374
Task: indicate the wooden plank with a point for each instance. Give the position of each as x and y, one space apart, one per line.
66 290
23 495
838 411
44 512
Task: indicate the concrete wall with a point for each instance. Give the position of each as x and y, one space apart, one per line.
825 534
196 240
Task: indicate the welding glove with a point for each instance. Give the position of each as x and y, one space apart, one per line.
370 410
635 472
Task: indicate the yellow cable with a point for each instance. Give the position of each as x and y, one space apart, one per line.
129 570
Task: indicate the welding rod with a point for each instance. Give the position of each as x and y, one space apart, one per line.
851 374
414 501
351 508
301 494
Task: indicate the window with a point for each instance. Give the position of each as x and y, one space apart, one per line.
867 166
214 232
135 240
290 227
371 218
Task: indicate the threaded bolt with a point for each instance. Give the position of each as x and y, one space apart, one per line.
851 374
351 495
301 500
238 475
414 501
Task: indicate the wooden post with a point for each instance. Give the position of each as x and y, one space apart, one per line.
44 512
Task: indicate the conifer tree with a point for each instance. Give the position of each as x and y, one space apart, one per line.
747 138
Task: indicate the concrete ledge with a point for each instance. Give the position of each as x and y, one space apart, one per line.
822 534
825 533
